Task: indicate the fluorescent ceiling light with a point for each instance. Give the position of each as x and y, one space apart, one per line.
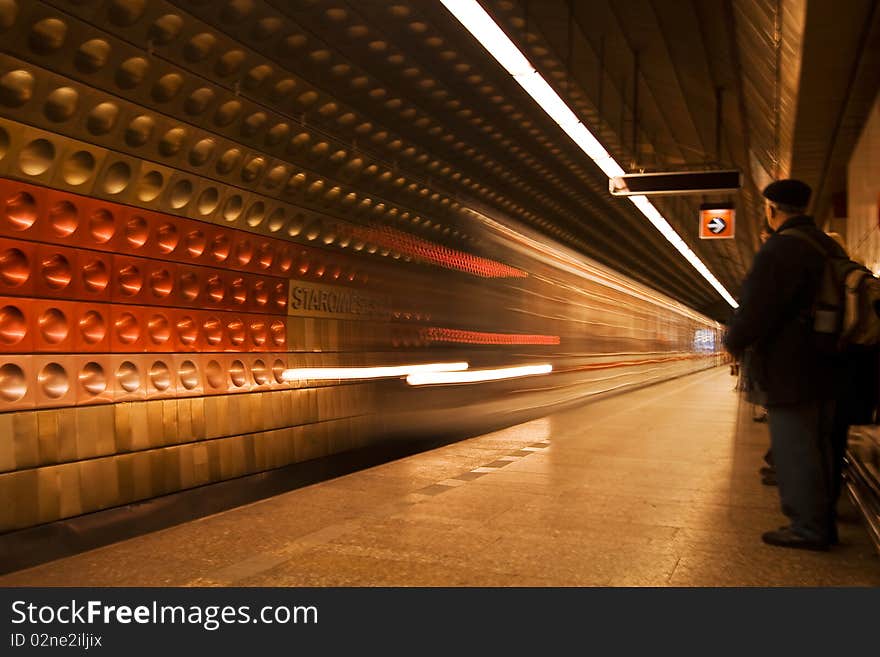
537 87
487 32
587 142
477 376
397 371
476 21
609 166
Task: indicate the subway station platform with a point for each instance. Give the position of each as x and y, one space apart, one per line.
654 487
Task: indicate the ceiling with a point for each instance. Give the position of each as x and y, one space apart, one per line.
767 86
772 87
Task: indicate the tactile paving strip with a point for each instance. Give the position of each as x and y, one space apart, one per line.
481 471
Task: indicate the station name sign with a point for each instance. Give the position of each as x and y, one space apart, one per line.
329 301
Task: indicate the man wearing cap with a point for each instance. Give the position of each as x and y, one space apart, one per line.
774 318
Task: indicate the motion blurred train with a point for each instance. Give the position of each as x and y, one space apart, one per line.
146 379
197 285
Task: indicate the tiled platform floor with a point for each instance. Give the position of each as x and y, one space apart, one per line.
654 487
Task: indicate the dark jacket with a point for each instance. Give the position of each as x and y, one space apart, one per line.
858 385
774 318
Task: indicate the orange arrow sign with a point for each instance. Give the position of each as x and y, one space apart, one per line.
717 224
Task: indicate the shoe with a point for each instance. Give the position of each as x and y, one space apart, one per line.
787 537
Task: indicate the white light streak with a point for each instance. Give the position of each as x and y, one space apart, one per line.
476 21
543 94
587 143
396 371
477 376
609 166
486 31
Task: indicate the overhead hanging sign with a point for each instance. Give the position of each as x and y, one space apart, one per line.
717 223
683 182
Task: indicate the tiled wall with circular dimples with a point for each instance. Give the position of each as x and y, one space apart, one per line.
160 192
145 258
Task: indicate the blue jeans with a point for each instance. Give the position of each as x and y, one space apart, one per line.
800 437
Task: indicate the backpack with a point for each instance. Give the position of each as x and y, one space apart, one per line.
847 305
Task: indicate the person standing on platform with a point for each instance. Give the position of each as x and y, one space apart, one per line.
759 407
774 319
858 390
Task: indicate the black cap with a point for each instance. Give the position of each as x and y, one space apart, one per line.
791 192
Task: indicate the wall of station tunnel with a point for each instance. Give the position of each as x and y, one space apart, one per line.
183 218
863 201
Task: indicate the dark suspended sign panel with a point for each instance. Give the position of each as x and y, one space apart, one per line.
684 182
